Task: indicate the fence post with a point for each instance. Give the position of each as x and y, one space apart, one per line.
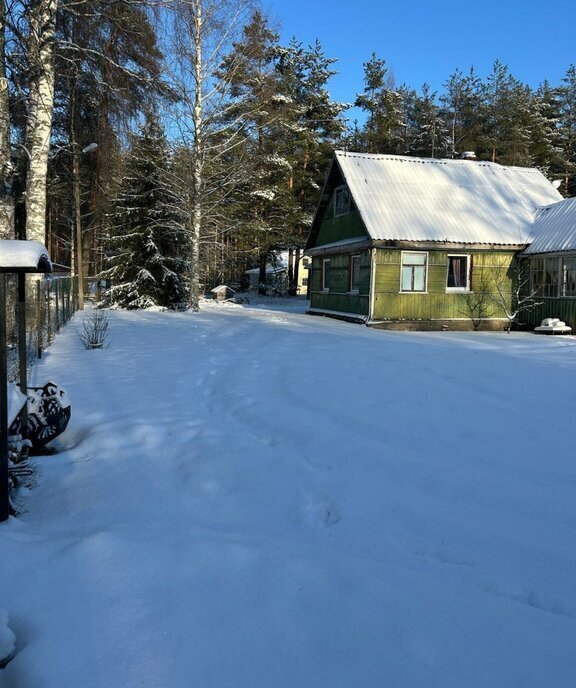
4 492
39 319
22 348
47 301
57 311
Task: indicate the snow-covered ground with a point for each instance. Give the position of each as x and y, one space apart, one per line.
250 497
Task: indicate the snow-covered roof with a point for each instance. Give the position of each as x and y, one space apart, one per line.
461 201
221 287
30 256
554 228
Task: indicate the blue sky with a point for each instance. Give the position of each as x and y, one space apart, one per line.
425 41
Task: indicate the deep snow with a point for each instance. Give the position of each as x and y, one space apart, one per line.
251 497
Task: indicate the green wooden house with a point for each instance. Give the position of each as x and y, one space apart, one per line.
551 258
413 243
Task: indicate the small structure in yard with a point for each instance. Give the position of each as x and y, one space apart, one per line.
20 257
553 326
277 274
222 293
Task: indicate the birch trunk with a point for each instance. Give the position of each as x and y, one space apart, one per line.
41 105
6 198
197 161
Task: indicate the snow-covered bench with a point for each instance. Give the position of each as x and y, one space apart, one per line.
552 326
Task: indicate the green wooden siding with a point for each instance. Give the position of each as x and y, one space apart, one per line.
338 298
436 303
334 229
488 268
561 307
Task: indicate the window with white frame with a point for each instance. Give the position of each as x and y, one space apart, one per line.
354 273
326 274
341 201
458 278
414 271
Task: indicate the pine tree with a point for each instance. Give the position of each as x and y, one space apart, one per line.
544 145
567 131
313 126
463 112
263 114
148 245
427 134
508 106
383 132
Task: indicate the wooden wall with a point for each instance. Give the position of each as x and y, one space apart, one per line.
432 308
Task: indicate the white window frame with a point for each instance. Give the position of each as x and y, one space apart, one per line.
325 281
459 290
341 207
414 291
352 289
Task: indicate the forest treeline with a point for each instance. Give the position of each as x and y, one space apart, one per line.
171 145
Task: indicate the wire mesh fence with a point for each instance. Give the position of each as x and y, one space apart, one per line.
50 303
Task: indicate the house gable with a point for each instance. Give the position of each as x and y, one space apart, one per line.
329 226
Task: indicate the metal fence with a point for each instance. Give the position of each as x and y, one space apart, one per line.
50 302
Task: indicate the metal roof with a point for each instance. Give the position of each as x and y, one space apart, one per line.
460 201
554 228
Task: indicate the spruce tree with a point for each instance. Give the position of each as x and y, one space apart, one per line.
148 244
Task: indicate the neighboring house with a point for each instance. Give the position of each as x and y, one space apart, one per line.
277 274
410 243
552 263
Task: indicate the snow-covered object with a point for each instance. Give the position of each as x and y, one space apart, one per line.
554 228
7 638
250 497
24 255
552 326
461 201
16 401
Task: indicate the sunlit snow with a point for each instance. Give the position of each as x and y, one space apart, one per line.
251 497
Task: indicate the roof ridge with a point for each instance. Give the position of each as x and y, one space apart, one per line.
421 160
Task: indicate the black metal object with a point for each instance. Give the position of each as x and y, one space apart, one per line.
47 416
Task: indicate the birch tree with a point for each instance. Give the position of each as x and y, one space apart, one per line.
6 202
204 30
42 28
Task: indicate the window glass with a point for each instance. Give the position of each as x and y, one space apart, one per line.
537 276
341 201
551 276
413 271
569 276
457 272
326 273
354 273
